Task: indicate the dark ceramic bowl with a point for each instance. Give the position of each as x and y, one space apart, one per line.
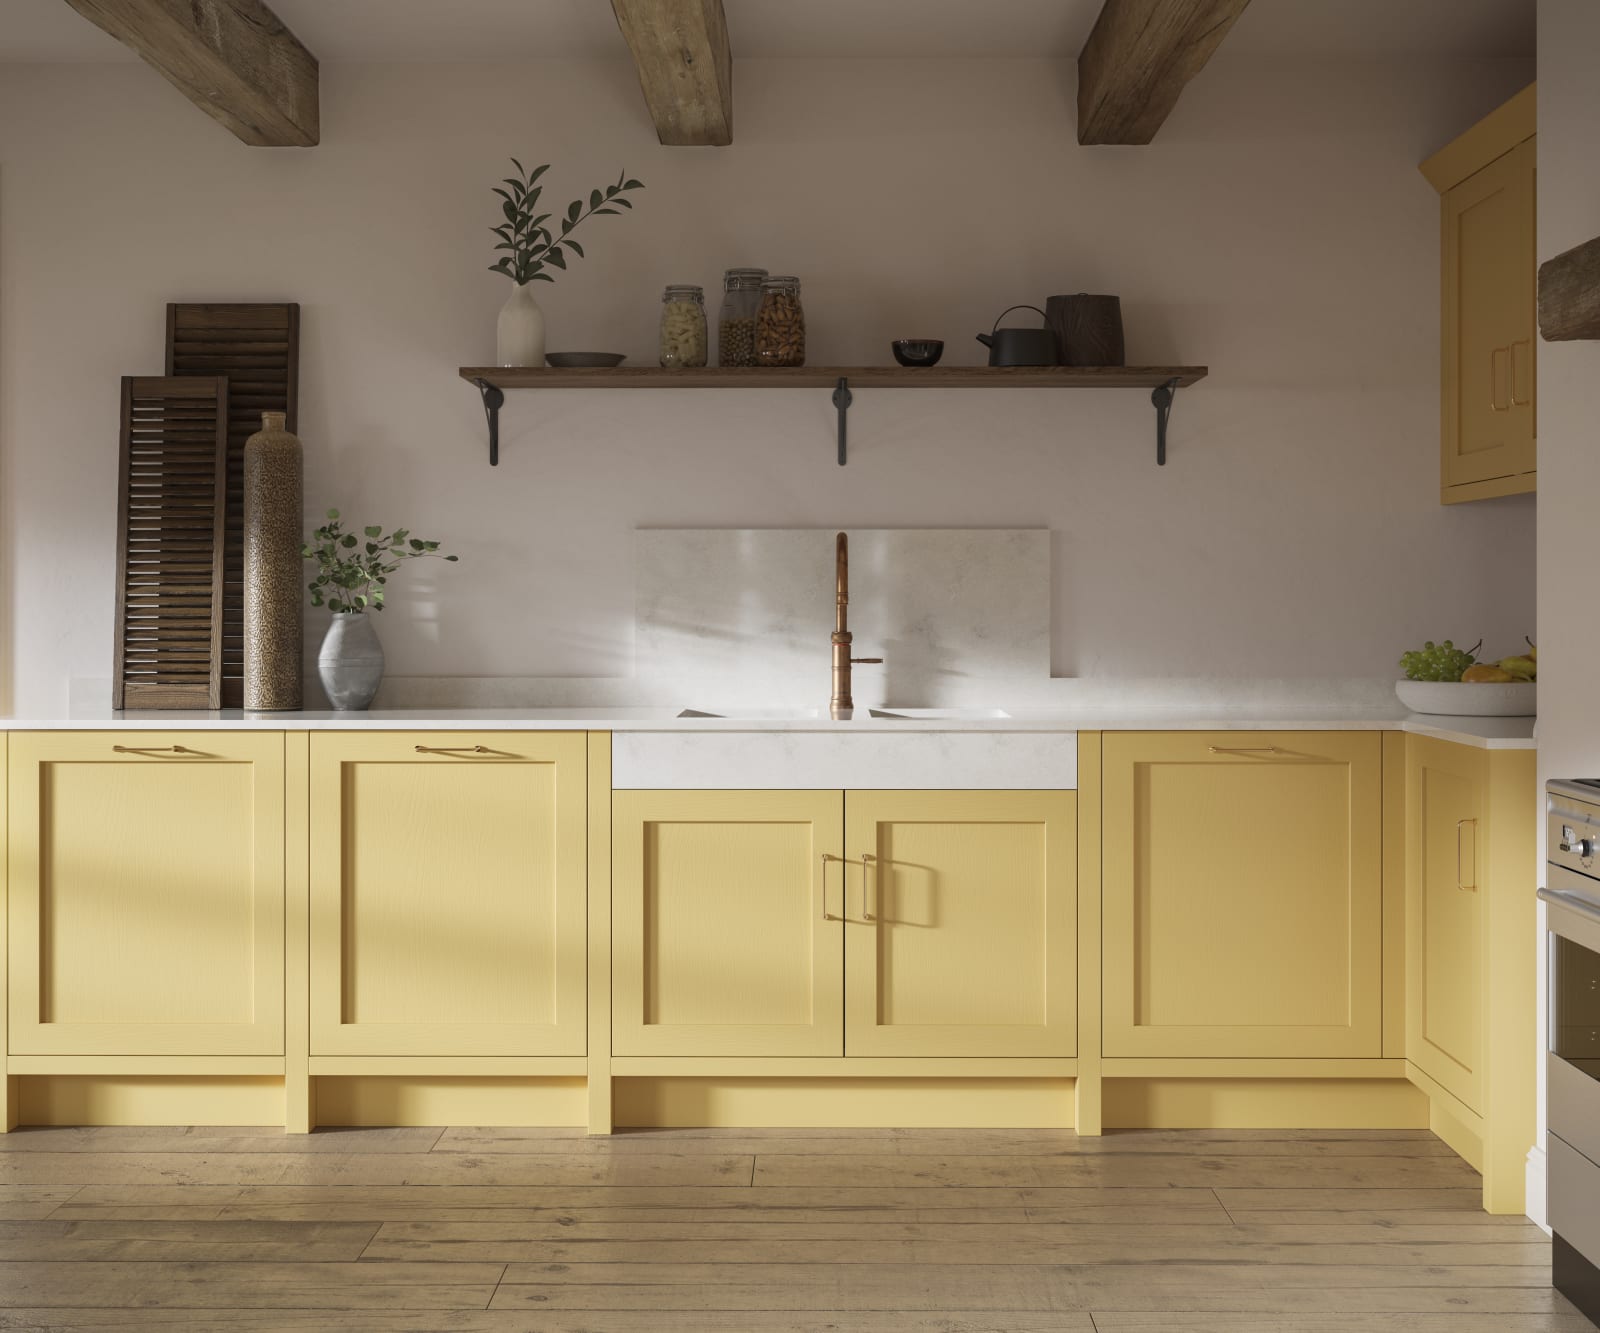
584 360
918 351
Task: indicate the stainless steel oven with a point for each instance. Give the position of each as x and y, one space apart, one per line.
1572 897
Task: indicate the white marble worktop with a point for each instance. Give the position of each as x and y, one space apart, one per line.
1492 733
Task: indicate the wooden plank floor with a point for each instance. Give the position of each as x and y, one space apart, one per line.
748 1231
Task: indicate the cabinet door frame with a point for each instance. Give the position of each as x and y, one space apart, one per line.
331 752
1470 766
30 754
633 811
866 812
1362 1037
1508 467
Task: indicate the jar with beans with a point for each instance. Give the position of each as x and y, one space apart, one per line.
736 321
683 326
780 324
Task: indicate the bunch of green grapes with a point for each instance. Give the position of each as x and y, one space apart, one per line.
1442 661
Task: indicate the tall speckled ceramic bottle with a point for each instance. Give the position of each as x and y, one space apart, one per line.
273 504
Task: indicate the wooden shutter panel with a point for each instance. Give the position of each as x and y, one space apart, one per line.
169 552
256 347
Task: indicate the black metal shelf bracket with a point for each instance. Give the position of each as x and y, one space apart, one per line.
842 398
1162 396
494 399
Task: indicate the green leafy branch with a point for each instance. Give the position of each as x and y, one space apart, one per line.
351 571
531 245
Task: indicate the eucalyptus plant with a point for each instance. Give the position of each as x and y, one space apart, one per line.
351 570
532 247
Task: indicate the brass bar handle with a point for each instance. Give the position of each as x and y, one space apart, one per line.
451 749
1246 749
866 866
1494 397
151 749
826 914
1472 887
1515 401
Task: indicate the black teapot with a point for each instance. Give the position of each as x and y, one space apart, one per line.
1021 347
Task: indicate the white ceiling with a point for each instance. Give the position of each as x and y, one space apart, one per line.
44 31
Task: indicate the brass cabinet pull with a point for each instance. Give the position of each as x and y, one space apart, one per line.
151 749
1515 401
1245 749
866 866
1472 887
1494 397
826 914
451 749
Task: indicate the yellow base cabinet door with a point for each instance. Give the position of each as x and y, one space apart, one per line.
1444 914
726 925
448 894
146 893
962 925
1242 894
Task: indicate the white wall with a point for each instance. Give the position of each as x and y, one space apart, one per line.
1278 230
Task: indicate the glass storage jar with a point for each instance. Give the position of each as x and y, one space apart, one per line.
736 321
683 326
780 324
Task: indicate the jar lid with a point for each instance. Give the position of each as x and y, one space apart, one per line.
781 280
683 289
745 273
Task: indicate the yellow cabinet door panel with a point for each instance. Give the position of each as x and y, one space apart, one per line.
1444 917
448 893
725 927
1489 340
1242 894
962 934
146 903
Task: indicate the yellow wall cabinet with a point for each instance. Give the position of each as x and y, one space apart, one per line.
447 894
1243 894
1487 289
1470 927
822 923
146 878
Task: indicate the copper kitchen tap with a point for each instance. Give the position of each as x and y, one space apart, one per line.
842 706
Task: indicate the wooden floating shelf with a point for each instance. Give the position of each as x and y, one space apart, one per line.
1163 381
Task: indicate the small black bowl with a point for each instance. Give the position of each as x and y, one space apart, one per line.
918 351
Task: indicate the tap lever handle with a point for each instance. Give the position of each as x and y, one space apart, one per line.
866 659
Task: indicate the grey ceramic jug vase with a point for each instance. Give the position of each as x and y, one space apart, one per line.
351 661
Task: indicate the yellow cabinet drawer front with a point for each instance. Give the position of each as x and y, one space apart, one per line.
1489 339
962 934
146 893
448 892
1242 894
726 922
1444 914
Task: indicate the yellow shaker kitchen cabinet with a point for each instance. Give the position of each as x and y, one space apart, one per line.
448 893
961 934
1242 894
1487 288
1444 918
146 893
727 923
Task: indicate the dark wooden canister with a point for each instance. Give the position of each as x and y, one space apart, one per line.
1088 329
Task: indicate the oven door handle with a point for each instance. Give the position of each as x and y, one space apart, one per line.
1573 902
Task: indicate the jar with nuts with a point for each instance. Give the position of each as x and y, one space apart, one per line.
781 324
736 321
683 326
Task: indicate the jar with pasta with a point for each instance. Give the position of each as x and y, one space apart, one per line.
683 327
780 324
736 321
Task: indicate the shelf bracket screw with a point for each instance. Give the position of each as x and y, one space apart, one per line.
1162 396
842 398
494 399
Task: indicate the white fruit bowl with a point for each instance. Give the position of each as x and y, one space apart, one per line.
1469 698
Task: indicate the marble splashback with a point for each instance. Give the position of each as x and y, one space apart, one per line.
745 614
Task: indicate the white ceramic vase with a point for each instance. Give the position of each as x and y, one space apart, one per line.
350 663
519 333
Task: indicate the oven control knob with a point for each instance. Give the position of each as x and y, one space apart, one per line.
1573 845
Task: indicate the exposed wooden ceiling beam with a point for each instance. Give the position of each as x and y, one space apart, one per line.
234 59
685 67
1569 294
1138 59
